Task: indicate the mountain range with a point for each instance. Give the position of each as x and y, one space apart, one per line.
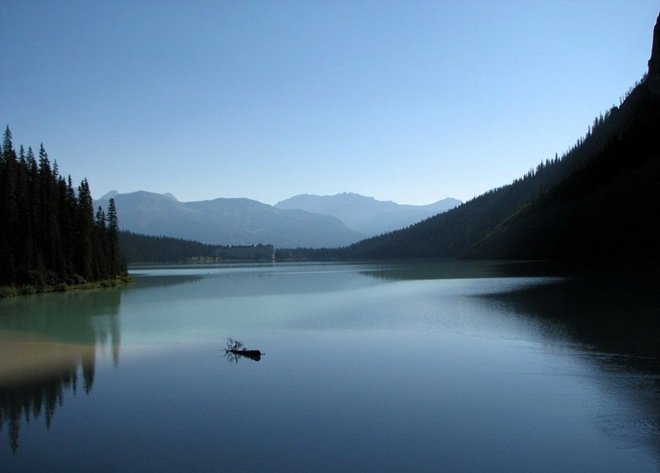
302 221
600 200
367 215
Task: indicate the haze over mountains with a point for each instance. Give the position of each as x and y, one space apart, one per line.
302 221
367 215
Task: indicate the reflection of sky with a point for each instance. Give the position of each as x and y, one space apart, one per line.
361 373
228 298
478 332
206 302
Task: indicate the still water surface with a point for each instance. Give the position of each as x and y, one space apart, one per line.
444 366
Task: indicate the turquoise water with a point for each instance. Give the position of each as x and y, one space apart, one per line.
444 366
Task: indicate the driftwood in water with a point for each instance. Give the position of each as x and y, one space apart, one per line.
236 350
251 354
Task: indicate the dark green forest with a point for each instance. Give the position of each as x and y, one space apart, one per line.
139 249
51 234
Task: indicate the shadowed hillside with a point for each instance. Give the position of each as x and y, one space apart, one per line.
599 200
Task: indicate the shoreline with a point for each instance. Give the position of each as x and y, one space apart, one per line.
14 291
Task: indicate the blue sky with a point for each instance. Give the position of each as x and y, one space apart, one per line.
410 101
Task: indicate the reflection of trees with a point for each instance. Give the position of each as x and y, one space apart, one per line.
28 399
441 268
152 281
615 315
235 350
48 348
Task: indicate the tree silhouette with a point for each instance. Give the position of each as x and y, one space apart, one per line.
49 234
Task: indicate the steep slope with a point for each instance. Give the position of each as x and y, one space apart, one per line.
227 221
600 200
608 209
367 215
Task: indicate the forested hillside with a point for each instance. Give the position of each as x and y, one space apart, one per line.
599 200
50 233
148 249
606 208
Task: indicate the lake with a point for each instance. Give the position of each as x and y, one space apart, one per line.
421 367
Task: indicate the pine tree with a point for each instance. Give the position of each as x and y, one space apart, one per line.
101 268
49 234
8 210
85 226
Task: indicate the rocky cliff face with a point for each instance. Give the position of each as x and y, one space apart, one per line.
654 61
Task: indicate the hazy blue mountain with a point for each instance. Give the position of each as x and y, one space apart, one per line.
227 221
365 214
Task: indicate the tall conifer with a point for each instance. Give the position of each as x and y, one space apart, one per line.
49 233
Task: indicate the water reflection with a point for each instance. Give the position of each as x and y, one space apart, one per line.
613 320
613 313
235 350
398 320
442 268
43 373
450 268
143 279
236 355
48 342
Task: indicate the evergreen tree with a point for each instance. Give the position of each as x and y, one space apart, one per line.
85 224
113 239
49 233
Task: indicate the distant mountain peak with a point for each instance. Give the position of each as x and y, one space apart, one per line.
228 221
654 61
365 214
109 195
113 195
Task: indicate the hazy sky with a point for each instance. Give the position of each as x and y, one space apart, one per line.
410 101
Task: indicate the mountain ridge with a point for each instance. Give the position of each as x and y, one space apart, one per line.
227 221
365 214
244 221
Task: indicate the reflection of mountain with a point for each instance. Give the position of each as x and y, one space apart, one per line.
616 317
614 313
47 343
140 282
442 268
250 281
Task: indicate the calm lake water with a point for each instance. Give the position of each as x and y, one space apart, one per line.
428 367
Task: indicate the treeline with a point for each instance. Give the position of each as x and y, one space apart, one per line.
50 233
599 200
138 249
307 254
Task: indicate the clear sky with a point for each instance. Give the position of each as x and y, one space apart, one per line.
410 101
